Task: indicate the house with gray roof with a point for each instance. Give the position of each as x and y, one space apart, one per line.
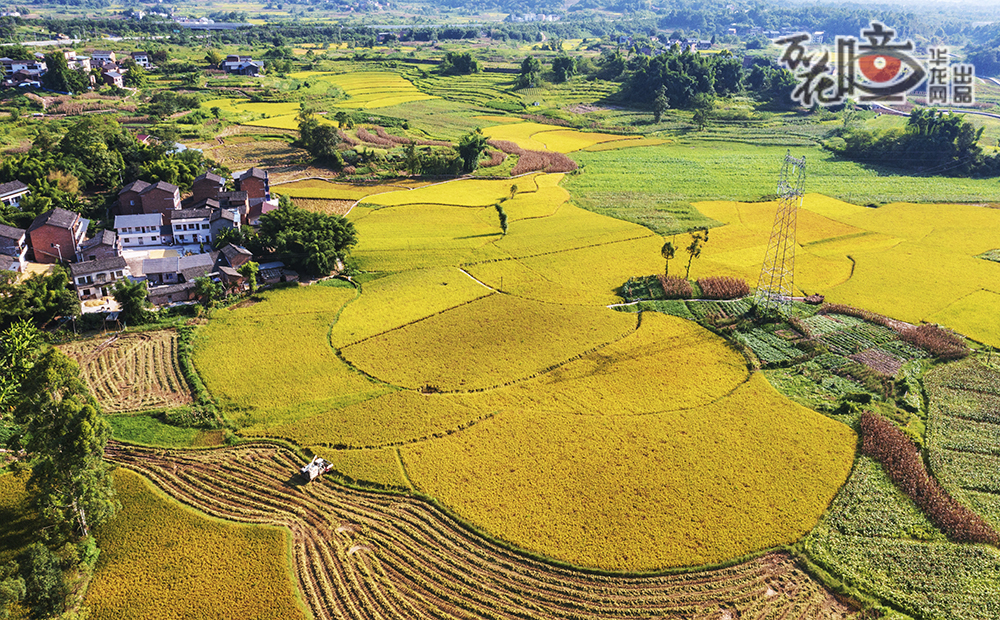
95 278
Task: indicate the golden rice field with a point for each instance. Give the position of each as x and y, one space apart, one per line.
267 359
914 262
486 343
539 137
369 89
484 370
329 190
161 560
403 298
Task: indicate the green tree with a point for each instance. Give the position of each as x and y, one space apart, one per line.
12 588
668 251
44 589
698 240
531 73
308 123
214 58
249 270
207 292
136 76
345 120
131 295
470 147
61 430
459 63
700 118
306 241
564 68
660 104
411 159
39 299
59 77
18 349
502 215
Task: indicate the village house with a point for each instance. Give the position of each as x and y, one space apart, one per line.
13 248
142 197
56 235
105 244
113 78
141 59
94 278
81 63
256 184
242 65
202 225
12 193
139 230
100 57
234 256
177 269
173 293
207 186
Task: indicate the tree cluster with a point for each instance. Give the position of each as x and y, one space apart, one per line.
306 241
933 142
459 63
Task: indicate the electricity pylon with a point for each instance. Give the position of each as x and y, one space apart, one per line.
775 285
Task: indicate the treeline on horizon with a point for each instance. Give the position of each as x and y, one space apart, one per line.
708 19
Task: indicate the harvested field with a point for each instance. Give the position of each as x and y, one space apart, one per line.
131 372
411 560
266 153
330 207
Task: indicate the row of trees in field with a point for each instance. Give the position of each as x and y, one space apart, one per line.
58 434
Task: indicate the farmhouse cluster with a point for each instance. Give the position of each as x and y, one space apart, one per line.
157 237
108 66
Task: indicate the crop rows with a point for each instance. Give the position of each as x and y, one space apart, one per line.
725 309
769 348
366 555
133 372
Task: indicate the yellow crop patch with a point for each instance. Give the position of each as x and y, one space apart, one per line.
914 262
328 190
975 315
463 192
523 134
418 236
489 342
161 560
380 465
568 140
626 144
399 299
244 355
694 486
568 228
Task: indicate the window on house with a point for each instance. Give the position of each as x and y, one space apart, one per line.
125 240
204 226
140 240
86 291
81 280
101 277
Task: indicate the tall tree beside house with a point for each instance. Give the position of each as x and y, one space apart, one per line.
60 428
136 76
249 271
306 241
214 58
131 296
61 78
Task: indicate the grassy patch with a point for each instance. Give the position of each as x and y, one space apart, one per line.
150 431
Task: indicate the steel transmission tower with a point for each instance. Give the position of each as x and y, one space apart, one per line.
774 287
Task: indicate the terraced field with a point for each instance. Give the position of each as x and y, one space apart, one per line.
367 555
132 372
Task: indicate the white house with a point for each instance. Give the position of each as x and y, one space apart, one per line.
94 278
13 248
12 193
139 230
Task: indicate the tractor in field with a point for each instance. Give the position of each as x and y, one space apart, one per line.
315 468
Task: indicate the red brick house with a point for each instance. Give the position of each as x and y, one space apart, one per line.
56 236
130 198
207 186
256 184
234 256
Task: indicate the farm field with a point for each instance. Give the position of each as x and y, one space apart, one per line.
483 365
656 185
876 259
153 563
369 89
132 372
361 555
